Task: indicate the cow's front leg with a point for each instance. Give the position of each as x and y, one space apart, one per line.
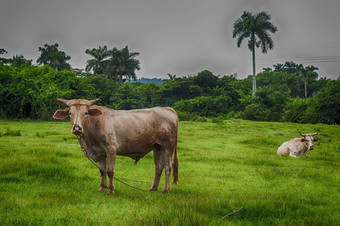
102 169
292 155
111 159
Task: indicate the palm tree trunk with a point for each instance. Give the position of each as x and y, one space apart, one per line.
254 71
298 86
120 80
305 87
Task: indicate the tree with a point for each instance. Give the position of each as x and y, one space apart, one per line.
52 56
308 75
20 60
4 60
325 105
256 28
278 67
3 51
290 67
99 61
267 105
171 77
301 73
122 63
206 80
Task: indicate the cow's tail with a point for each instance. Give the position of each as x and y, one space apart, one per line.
175 163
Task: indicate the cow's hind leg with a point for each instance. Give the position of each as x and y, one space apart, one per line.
158 160
102 169
167 168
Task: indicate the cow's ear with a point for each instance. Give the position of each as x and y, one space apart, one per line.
303 140
94 112
315 139
61 114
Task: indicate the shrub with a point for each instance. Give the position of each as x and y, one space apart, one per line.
187 116
325 106
256 112
295 110
219 119
205 106
266 105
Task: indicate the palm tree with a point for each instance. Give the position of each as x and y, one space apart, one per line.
309 74
122 63
298 70
99 60
278 67
256 28
171 77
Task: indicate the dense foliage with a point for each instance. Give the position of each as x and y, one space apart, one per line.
29 91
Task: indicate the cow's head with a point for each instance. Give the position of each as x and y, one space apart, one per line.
79 111
308 139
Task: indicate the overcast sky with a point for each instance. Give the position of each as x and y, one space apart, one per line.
181 37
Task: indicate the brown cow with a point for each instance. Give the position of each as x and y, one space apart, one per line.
105 133
298 146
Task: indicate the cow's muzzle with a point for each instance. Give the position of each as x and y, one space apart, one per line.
311 147
77 129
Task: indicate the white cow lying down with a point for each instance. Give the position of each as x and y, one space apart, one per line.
298 146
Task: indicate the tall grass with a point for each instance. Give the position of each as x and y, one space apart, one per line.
45 179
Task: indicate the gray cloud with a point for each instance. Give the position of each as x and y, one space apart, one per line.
177 37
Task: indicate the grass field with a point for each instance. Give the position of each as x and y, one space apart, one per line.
45 179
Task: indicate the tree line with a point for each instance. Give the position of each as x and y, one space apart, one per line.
30 91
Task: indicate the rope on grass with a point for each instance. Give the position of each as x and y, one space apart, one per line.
229 214
116 178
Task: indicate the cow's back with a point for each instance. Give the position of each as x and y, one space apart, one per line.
138 131
283 149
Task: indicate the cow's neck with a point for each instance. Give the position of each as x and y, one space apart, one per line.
82 142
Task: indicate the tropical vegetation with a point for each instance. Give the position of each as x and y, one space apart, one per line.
30 91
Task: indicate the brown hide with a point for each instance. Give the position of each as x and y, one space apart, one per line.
105 133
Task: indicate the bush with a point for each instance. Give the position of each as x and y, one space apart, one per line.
205 106
219 119
325 106
186 116
256 112
31 91
295 110
266 105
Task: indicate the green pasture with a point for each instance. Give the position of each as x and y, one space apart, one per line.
223 167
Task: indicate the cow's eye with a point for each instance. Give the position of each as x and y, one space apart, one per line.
86 113
70 113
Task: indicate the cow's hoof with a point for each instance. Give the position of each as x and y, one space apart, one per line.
109 192
153 189
166 191
101 189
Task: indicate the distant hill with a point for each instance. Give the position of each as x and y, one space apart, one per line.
157 81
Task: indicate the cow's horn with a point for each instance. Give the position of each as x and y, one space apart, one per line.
314 134
302 134
62 101
92 102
